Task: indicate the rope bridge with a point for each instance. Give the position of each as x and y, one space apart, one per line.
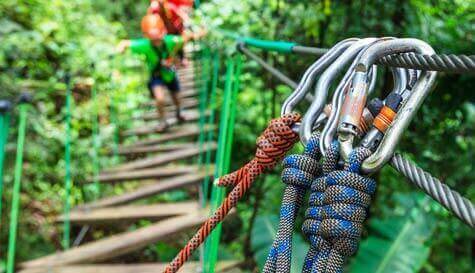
339 194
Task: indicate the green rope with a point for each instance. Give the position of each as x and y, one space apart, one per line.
68 177
113 115
4 127
116 135
223 161
96 143
23 109
202 103
202 122
277 46
210 122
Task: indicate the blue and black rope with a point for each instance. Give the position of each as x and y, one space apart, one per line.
338 207
298 174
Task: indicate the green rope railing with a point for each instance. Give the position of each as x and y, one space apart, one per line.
96 164
114 118
15 205
5 107
224 156
268 45
67 161
205 78
277 46
210 121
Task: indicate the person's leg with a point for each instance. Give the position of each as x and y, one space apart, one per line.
174 88
159 95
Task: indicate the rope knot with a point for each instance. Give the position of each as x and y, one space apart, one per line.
300 170
337 209
276 140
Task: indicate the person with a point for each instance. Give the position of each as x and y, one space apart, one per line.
160 49
175 15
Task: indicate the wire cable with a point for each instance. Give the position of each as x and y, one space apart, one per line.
450 199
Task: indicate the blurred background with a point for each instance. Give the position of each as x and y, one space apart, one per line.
42 39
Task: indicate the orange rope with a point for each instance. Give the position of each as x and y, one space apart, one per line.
277 139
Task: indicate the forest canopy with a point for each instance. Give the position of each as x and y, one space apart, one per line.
42 40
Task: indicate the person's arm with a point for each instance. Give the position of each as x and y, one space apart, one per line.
123 46
137 46
189 35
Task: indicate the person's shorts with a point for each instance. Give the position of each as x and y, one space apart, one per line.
173 86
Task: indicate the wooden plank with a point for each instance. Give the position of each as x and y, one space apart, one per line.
163 185
131 213
156 148
186 76
114 177
161 159
188 92
183 132
169 105
189 267
170 110
120 244
152 127
186 103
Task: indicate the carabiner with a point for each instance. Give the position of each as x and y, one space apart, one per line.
330 129
356 100
311 73
323 84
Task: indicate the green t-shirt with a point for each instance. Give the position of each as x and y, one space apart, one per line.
155 55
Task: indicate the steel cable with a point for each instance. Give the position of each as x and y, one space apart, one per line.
450 199
439 62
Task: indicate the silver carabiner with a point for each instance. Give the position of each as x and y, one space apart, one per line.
330 129
323 84
311 73
356 99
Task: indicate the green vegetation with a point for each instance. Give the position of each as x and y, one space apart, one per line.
40 40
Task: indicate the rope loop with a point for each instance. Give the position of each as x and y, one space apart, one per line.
272 145
298 173
338 207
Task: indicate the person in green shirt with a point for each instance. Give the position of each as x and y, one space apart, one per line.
160 50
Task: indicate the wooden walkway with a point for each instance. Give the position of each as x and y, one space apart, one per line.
190 267
162 162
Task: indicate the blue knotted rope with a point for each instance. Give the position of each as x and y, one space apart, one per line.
337 209
298 174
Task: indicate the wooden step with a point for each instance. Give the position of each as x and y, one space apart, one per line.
161 186
182 132
153 115
187 92
185 105
120 244
187 102
156 173
162 159
131 213
186 76
188 267
157 148
152 127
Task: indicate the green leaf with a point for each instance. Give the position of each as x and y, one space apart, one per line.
398 244
263 234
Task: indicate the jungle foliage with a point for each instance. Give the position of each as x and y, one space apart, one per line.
42 39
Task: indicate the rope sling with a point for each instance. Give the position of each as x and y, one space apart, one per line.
276 140
338 206
298 174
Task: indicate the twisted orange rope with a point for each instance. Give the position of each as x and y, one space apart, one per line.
272 145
